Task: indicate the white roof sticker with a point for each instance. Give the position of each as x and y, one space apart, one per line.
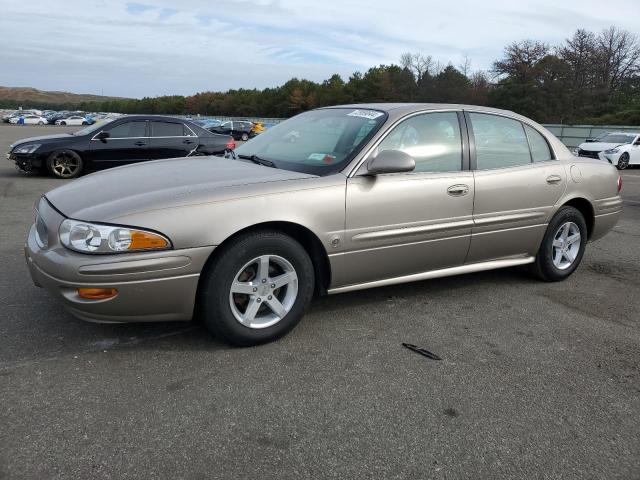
371 114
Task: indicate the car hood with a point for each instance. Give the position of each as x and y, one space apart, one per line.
57 136
164 184
597 146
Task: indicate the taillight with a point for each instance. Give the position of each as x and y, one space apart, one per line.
230 145
619 183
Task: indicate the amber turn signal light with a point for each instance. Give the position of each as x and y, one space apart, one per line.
97 293
145 241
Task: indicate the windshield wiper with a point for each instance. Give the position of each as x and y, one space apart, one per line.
260 161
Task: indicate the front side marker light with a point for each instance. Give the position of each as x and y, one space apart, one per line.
97 293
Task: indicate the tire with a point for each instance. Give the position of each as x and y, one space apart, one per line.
40 123
244 137
64 164
85 123
245 319
63 123
551 264
623 161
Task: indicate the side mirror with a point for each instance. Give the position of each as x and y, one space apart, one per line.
102 136
391 161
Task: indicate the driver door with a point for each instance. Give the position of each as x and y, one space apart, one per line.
406 223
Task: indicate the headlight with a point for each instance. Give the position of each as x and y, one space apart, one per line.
95 238
612 150
32 147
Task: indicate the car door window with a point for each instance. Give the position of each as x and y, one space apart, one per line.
135 129
540 151
432 139
500 141
187 132
166 129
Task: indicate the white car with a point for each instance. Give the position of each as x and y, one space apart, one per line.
29 120
73 120
618 148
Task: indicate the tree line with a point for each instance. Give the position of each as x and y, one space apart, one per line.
589 78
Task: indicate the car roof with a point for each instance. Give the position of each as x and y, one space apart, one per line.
152 117
401 109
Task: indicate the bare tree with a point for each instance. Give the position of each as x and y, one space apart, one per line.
579 52
618 57
465 66
520 60
418 64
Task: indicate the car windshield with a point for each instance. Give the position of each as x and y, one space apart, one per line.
91 128
319 142
617 138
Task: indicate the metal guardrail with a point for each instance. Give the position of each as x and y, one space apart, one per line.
574 135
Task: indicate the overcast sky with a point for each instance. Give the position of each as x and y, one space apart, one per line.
159 47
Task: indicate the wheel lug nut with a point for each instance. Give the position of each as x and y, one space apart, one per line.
269 297
273 285
255 289
259 300
264 280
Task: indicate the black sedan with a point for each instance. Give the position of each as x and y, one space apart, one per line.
239 130
129 139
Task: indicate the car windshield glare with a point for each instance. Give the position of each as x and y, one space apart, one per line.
616 138
319 142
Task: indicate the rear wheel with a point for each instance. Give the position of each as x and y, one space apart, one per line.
244 137
64 164
258 289
40 123
563 246
623 161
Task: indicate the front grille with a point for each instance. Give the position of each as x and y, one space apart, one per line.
42 234
588 153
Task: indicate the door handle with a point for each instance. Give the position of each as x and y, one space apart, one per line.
140 143
458 190
553 179
188 142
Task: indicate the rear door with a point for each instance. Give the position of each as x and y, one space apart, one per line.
128 142
405 223
171 140
517 183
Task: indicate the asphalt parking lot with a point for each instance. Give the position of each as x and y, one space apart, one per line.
537 380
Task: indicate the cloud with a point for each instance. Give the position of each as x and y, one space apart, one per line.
163 47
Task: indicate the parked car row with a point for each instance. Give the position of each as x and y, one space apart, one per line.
50 117
621 149
127 139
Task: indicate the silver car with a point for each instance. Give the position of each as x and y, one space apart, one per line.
333 200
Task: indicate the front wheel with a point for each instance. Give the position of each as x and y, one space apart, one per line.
64 164
623 161
40 123
562 247
258 288
63 123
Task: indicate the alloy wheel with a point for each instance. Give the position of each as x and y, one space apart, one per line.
566 245
623 161
65 165
263 291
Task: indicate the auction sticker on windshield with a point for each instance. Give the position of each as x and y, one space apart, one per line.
365 114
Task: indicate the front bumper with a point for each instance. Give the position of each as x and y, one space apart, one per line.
152 286
26 161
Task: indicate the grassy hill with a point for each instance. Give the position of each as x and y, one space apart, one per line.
32 97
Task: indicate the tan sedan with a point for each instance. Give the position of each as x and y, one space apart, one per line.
332 200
